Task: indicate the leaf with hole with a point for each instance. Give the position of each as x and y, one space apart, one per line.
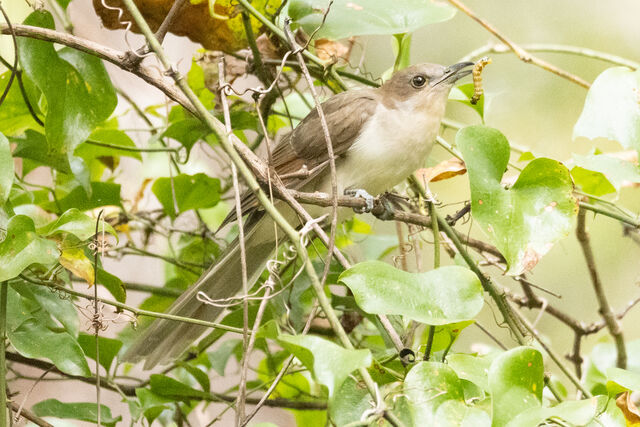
438 297
525 220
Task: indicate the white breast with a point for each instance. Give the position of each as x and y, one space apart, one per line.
393 144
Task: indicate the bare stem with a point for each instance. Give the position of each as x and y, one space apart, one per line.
520 52
606 311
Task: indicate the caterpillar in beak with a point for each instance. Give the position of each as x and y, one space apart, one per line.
477 78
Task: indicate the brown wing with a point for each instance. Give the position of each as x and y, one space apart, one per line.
345 112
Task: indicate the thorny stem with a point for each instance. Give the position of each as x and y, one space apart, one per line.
521 53
606 311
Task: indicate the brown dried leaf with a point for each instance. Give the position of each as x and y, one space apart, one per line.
443 170
193 21
629 409
332 51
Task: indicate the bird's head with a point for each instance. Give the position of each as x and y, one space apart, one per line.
423 85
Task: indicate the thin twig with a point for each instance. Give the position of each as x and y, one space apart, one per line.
3 366
243 253
521 53
606 311
28 415
554 48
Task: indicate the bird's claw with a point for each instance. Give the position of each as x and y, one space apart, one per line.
368 198
386 212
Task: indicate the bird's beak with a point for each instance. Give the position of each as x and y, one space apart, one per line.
455 72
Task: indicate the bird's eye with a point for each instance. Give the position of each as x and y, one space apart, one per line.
418 81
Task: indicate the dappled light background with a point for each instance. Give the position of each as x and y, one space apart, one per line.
535 109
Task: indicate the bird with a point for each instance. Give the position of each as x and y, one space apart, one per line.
379 137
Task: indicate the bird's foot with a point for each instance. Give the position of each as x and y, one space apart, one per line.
359 192
385 209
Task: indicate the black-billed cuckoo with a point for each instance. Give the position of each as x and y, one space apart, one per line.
379 136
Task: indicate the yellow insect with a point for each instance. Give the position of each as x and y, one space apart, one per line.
477 78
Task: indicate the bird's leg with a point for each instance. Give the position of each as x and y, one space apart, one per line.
359 192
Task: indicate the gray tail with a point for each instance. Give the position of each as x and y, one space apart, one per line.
164 339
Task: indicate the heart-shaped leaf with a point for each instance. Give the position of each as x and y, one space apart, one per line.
358 17
329 363
612 108
438 297
23 247
526 220
516 379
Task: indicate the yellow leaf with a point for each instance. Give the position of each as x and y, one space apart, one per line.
74 260
441 171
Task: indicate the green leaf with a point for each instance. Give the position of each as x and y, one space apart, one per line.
445 335
77 223
349 403
152 404
102 194
34 340
6 169
618 172
187 131
620 380
471 368
83 411
402 49
454 413
166 386
191 192
463 94
356 18
612 108
220 357
113 284
42 299
445 295
516 379
15 117
427 386
34 146
23 247
526 220
591 182
114 137
76 86
198 374
109 348
575 413
329 363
